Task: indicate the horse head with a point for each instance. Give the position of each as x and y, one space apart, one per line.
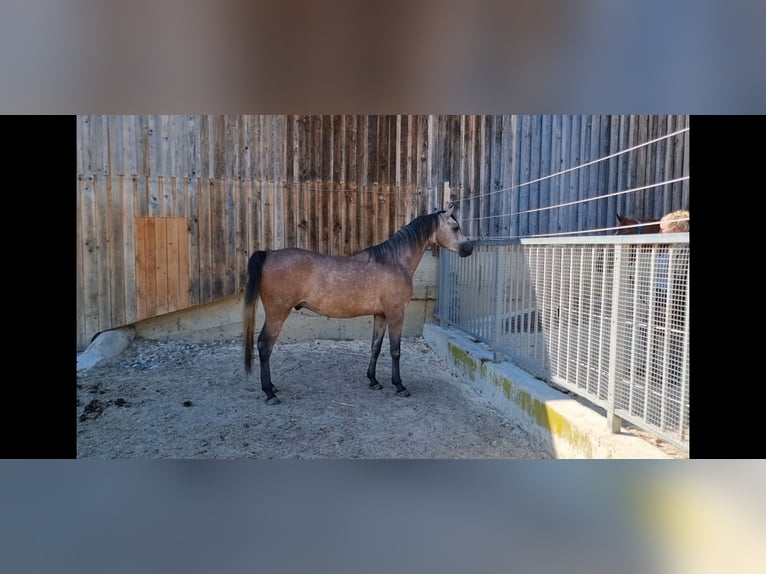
449 235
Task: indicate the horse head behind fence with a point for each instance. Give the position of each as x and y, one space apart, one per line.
631 226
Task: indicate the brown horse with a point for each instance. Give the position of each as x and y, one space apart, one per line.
630 226
376 281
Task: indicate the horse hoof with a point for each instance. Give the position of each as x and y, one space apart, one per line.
273 401
376 385
403 393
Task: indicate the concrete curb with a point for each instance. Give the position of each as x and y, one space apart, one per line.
558 423
105 346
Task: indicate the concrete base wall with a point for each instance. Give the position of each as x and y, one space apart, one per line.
558 423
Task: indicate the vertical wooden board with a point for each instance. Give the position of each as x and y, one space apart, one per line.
241 243
116 270
154 139
231 215
651 192
525 175
102 253
246 144
576 158
190 148
419 152
583 172
327 184
680 159
142 147
99 145
179 153
598 212
279 208
278 134
400 153
373 156
662 197
302 126
338 151
205 240
302 193
592 188
184 264
259 162
127 144
291 150
83 144
482 186
178 190
556 166
161 263
153 195
251 221
194 185
218 145
506 171
410 145
536 124
87 293
611 203
114 142
469 151
129 188
381 215
80 336
640 154
546 169
389 176
141 268
351 177
623 166
146 286
267 213
174 279
454 160
259 224
231 149
217 238
315 153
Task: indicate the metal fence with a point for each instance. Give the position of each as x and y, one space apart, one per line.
606 318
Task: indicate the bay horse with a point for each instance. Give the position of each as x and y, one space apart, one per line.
376 281
630 226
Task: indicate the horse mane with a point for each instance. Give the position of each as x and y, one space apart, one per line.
414 234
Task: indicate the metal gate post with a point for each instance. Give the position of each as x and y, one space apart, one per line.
614 422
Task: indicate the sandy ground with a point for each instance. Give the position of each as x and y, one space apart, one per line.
176 399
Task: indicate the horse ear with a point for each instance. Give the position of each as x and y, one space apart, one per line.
450 209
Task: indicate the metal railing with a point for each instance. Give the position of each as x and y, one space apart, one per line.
606 318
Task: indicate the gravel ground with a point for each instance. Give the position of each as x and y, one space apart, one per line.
177 399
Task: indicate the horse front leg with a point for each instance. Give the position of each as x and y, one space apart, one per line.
378 330
395 340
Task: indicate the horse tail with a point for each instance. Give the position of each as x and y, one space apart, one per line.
254 268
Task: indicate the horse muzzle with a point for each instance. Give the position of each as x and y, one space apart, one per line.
465 249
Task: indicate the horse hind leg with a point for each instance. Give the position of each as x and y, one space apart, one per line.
378 330
266 340
395 340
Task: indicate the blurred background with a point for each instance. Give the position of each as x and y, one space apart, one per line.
430 57
341 56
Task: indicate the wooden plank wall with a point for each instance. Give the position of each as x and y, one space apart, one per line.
224 186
